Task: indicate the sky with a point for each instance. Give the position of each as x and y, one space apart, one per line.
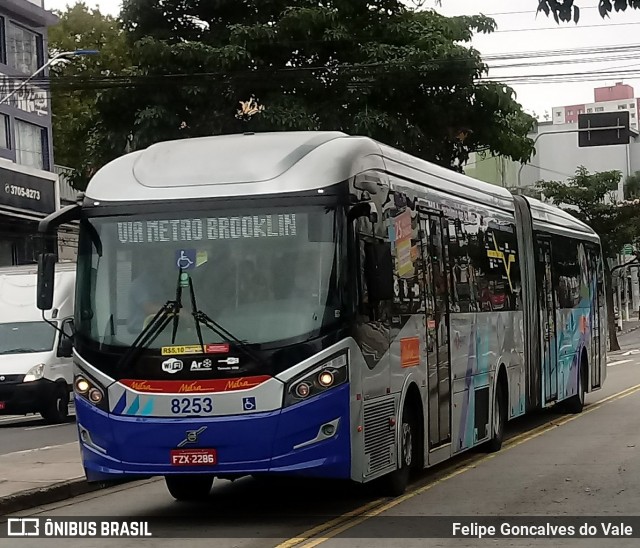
545 81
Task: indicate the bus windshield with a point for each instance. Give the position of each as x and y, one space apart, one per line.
265 276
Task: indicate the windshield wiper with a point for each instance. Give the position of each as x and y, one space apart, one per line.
156 326
201 317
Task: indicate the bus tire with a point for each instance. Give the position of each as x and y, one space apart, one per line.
395 483
56 410
189 487
499 419
575 404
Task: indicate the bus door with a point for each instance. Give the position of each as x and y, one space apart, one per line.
547 311
433 238
597 312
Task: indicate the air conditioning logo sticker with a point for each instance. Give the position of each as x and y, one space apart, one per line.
172 365
204 365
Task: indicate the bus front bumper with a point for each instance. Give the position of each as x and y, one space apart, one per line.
287 441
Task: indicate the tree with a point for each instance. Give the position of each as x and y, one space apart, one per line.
591 197
404 77
567 10
73 83
632 186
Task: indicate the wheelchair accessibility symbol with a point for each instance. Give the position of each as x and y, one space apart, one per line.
249 404
186 259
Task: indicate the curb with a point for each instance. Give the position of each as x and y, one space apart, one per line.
630 330
39 496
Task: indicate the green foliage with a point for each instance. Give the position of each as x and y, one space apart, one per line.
404 77
591 197
567 10
73 105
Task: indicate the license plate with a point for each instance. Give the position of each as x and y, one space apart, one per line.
193 457
2 404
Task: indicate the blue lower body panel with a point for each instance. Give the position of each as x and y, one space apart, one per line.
121 447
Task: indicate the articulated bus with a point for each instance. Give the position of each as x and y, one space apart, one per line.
316 304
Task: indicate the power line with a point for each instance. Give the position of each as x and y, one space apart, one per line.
540 54
625 53
530 12
79 83
577 27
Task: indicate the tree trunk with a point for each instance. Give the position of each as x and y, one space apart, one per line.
611 320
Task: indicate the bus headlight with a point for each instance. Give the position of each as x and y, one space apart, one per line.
319 378
82 385
90 391
95 395
35 373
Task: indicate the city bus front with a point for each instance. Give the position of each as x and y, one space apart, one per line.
211 338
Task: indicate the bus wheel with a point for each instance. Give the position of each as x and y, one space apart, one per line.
57 408
499 419
189 487
575 404
395 483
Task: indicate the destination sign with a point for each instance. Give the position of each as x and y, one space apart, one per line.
209 228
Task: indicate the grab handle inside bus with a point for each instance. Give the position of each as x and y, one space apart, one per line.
46 276
379 271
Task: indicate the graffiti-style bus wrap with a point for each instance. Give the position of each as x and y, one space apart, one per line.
317 304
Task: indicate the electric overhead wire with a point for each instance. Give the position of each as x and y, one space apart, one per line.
625 52
487 58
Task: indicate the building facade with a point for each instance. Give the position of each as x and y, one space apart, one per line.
606 99
28 186
557 156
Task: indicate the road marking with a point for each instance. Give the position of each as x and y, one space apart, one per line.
24 451
619 362
47 426
355 517
20 418
631 352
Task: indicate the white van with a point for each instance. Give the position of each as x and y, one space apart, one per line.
36 369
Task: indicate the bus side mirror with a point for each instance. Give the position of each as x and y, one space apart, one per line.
378 267
364 209
46 277
65 347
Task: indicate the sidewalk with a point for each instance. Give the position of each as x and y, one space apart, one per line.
628 327
41 476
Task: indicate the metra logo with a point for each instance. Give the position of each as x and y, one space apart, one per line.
144 386
192 387
172 365
239 384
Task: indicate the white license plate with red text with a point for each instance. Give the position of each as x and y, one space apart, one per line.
193 457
